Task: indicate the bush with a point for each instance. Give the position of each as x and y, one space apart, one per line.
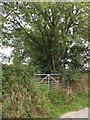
21 96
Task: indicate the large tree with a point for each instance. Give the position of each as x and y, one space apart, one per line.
51 35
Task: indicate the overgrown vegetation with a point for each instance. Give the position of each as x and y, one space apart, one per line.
23 98
46 38
52 36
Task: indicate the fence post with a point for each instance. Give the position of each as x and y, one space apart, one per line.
48 83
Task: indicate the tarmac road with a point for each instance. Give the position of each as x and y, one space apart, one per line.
84 113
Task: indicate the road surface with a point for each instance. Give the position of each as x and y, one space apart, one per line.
84 113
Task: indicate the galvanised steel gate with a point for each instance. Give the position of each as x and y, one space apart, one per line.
47 80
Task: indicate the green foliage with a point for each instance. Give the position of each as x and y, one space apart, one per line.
57 97
50 34
15 74
48 38
21 97
69 76
24 98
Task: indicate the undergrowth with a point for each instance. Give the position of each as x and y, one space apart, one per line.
33 102
24 97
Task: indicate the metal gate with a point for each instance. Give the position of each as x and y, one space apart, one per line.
46 81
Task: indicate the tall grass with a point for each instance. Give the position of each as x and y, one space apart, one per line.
30 100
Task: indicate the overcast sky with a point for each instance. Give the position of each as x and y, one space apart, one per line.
6 51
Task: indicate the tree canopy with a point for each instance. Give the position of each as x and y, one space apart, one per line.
52 36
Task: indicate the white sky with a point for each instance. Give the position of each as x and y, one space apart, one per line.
6 51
